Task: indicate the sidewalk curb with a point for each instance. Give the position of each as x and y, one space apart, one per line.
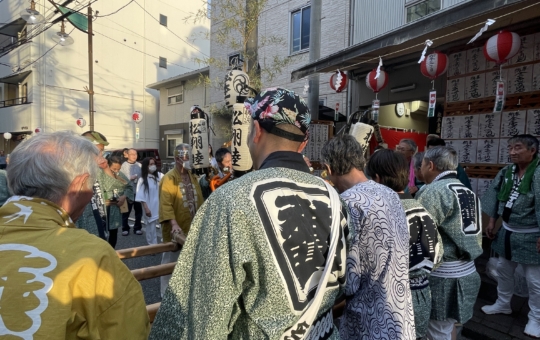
478 331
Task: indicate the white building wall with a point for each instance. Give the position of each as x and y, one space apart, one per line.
127 47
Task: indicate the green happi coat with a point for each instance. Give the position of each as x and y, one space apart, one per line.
238 277
456 211
525 215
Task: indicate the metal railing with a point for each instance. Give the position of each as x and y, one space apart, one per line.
13 102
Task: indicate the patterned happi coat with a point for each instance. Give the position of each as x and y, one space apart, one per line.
425 251
253 258
379 302
456 212
517 247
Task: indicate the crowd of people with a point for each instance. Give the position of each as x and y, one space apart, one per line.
391 240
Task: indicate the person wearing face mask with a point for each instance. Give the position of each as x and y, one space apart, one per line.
180 197
148 196
94 217
116 189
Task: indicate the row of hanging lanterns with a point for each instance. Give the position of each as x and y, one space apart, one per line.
499 49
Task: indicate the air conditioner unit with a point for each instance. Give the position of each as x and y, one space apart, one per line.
419 106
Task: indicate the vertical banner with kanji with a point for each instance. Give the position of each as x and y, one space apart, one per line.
198 132
432 102
241 158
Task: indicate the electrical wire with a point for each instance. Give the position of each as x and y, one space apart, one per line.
153 56
168 29
118 10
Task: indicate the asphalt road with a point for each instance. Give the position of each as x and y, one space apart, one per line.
150 287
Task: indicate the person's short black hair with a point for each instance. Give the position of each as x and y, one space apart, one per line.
220 153
392 168
435 142
114 160
125 149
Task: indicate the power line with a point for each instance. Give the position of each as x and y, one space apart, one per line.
168 29
118 10
153 56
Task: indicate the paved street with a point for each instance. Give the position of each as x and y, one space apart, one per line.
150 287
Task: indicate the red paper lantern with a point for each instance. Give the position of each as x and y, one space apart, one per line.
137 117
376 84
336 84
38 130
434 65
502 46
81 122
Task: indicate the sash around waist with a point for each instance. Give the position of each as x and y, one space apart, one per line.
522 229
454 269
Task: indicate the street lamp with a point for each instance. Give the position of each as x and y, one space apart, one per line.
62 38
31 15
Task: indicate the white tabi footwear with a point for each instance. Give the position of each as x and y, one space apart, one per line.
532 329
497 308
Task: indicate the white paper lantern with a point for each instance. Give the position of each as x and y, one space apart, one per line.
137 117
241 158
236 83
81 122
7 135
198 135
502 46
362 133
38 130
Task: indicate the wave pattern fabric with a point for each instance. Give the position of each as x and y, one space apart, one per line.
379 302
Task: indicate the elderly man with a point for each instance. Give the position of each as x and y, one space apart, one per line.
180 197
456 212
94 217
461 174
56 281
257 261
132 170
378 294
409 148
515 197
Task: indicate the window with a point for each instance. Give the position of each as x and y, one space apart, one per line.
163 20
172 142
162 62
422 8
175 95
300 29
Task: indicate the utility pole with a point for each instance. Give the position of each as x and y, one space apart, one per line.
314 54
90 70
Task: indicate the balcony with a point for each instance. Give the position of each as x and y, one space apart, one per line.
14 101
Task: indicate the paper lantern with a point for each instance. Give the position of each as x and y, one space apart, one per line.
198 135
338 81
502 46
137 117
376 84
236 84
362 133
7 135
434 65
81 122
241 158
38 130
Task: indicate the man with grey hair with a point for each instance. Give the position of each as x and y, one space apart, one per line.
456 211
132 170
514 196
409 148
57 281
379 257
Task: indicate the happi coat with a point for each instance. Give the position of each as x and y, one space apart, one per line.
173 205
425 250
516 239
108 185
253 257
456 212
94 216
59 282
379 301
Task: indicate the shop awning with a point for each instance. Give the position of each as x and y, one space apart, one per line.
15 79
446 29
13 28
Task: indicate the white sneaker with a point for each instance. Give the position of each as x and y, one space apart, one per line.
532 329
497 309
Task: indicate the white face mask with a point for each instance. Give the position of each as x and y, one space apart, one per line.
152 168
187 165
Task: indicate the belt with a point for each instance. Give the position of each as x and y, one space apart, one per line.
454 269
522 230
